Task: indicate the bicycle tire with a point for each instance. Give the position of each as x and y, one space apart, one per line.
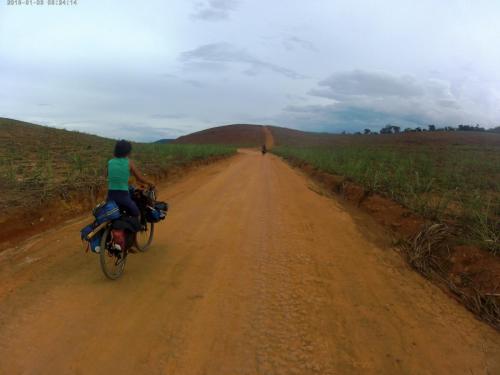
106 256
143 247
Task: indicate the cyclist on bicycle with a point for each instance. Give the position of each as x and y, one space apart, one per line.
118 174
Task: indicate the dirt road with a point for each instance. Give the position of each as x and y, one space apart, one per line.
268 138
253 272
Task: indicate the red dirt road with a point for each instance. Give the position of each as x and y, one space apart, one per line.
253 272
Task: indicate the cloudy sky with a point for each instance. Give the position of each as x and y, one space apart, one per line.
158 69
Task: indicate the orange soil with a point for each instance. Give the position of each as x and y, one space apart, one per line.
268 138
253 272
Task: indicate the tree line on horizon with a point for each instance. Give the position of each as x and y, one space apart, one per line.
395 129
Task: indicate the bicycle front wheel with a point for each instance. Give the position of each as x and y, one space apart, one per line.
112 260
144 237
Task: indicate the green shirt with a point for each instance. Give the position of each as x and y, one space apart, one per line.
118 174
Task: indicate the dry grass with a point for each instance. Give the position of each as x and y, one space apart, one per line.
422 253
484 305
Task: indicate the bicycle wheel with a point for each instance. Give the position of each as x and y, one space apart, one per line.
144 237
112 261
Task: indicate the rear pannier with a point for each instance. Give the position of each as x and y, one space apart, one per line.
106 211
92 234
161 206
157 212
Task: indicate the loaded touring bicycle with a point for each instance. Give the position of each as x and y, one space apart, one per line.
114 234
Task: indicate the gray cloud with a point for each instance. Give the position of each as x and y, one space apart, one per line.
293 42
360 83
148 133
228 53
337 118
404 97
168 76
205 66
168 116
369 98
214 10
195 83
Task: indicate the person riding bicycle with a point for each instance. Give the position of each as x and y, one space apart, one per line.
118 174
264 149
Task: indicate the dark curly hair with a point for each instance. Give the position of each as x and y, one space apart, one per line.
123 149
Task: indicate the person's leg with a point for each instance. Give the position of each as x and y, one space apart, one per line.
131 206
124 201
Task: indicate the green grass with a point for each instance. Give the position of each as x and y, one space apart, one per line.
152 159
82 167
457 183
38 164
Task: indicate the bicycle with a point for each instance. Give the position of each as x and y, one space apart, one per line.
112 259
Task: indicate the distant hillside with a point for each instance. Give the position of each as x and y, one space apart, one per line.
22 142
253 135
237 134
164 141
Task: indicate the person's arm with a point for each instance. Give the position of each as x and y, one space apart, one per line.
138 175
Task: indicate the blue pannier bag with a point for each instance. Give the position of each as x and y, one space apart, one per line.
153 215
161 206
86 231
95 241
106 211
157 213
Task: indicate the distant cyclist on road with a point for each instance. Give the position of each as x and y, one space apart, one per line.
264 149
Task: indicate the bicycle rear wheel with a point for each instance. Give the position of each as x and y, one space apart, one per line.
112 261
144 237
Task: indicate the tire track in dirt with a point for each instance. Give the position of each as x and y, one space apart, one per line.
252 273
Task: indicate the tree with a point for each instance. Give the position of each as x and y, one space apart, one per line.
470 128
432 128
386 129
367 131
390 129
